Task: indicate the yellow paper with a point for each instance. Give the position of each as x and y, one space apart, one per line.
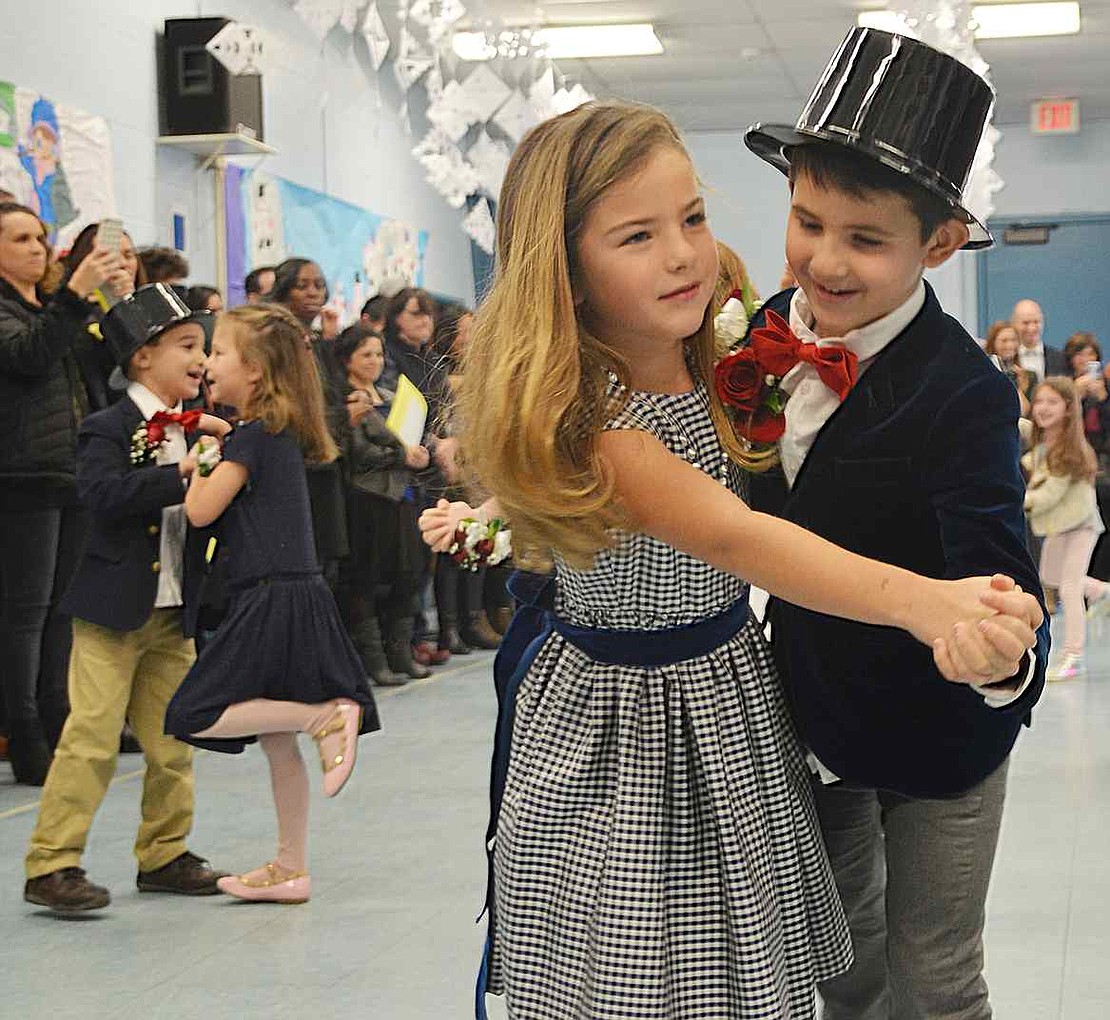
409 413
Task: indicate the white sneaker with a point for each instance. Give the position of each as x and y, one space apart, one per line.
1070 667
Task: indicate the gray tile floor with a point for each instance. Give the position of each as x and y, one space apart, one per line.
398 877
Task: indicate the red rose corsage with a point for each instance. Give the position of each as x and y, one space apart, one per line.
749 381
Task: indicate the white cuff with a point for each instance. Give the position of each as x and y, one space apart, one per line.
1000 697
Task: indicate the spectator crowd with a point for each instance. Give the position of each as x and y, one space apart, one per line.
407 611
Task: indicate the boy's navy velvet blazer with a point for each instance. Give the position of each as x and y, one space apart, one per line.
116 581
917 467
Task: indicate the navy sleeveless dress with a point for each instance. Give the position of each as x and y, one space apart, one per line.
282 637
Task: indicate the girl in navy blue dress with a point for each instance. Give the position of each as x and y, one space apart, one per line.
281 663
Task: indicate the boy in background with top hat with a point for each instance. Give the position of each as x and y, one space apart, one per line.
917 465
131 598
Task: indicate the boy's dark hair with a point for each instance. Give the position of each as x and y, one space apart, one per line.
196 297
351 339
830 165
162 264
251 281
375 307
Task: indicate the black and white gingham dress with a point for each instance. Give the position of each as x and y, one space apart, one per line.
657 853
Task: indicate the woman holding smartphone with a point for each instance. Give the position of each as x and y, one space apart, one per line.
92 354
42 315
1083 355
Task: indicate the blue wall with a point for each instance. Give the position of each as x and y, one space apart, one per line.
334 127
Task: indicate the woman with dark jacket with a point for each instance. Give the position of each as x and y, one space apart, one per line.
41 403
93 357
387 554
300 286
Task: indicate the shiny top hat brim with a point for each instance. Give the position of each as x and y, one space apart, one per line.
897 101
144 316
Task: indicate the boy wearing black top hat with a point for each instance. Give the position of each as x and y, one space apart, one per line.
917 466
130 599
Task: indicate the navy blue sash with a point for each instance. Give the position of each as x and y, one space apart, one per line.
533 623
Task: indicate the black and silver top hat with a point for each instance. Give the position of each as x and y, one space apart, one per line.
900 102
142 316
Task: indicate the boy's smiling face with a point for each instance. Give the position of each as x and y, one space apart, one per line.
173 368
859 258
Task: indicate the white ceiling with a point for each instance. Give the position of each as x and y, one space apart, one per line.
706 84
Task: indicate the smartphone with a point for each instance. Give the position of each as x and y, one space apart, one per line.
1094 369
110 234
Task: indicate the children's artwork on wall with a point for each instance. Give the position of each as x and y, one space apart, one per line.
357 250
57 160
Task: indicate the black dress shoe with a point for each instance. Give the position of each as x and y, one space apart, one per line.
66 891
187 875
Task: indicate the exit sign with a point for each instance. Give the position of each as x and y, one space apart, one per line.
1055 117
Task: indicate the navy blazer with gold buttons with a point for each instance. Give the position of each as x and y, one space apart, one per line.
917 467
116 581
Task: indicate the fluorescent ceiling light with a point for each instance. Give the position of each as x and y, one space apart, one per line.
1012 21
996 21
567 42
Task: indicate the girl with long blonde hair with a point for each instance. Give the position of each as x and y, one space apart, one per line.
654 845
281 662
1061 503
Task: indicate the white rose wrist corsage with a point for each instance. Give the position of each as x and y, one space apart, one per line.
480 544
209 454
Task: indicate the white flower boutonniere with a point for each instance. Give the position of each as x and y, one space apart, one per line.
144 444
731 324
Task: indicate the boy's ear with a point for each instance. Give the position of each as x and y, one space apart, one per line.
947 239
140 359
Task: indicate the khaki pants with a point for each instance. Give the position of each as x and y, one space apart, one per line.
115 675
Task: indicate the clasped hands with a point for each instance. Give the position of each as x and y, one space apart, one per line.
979 628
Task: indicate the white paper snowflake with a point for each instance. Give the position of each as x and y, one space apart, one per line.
413 60
490 159
516 117
319 15
479 225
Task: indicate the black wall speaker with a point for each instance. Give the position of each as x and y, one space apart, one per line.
200 96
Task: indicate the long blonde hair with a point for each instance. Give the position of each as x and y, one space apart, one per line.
534 393
1072 454
289 394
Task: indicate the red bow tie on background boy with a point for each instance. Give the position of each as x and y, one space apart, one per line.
156 425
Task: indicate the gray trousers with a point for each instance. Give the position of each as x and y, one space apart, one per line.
913 877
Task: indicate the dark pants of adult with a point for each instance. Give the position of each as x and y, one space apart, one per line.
913 876
38 554
458 595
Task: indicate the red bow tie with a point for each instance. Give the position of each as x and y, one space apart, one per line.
779 350
156 424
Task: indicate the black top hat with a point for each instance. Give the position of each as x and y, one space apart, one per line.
143 316
900 102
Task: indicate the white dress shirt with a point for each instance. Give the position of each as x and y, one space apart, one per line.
1032 359
171 552
812 403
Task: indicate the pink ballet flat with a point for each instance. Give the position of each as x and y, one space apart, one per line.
341 735
268 884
